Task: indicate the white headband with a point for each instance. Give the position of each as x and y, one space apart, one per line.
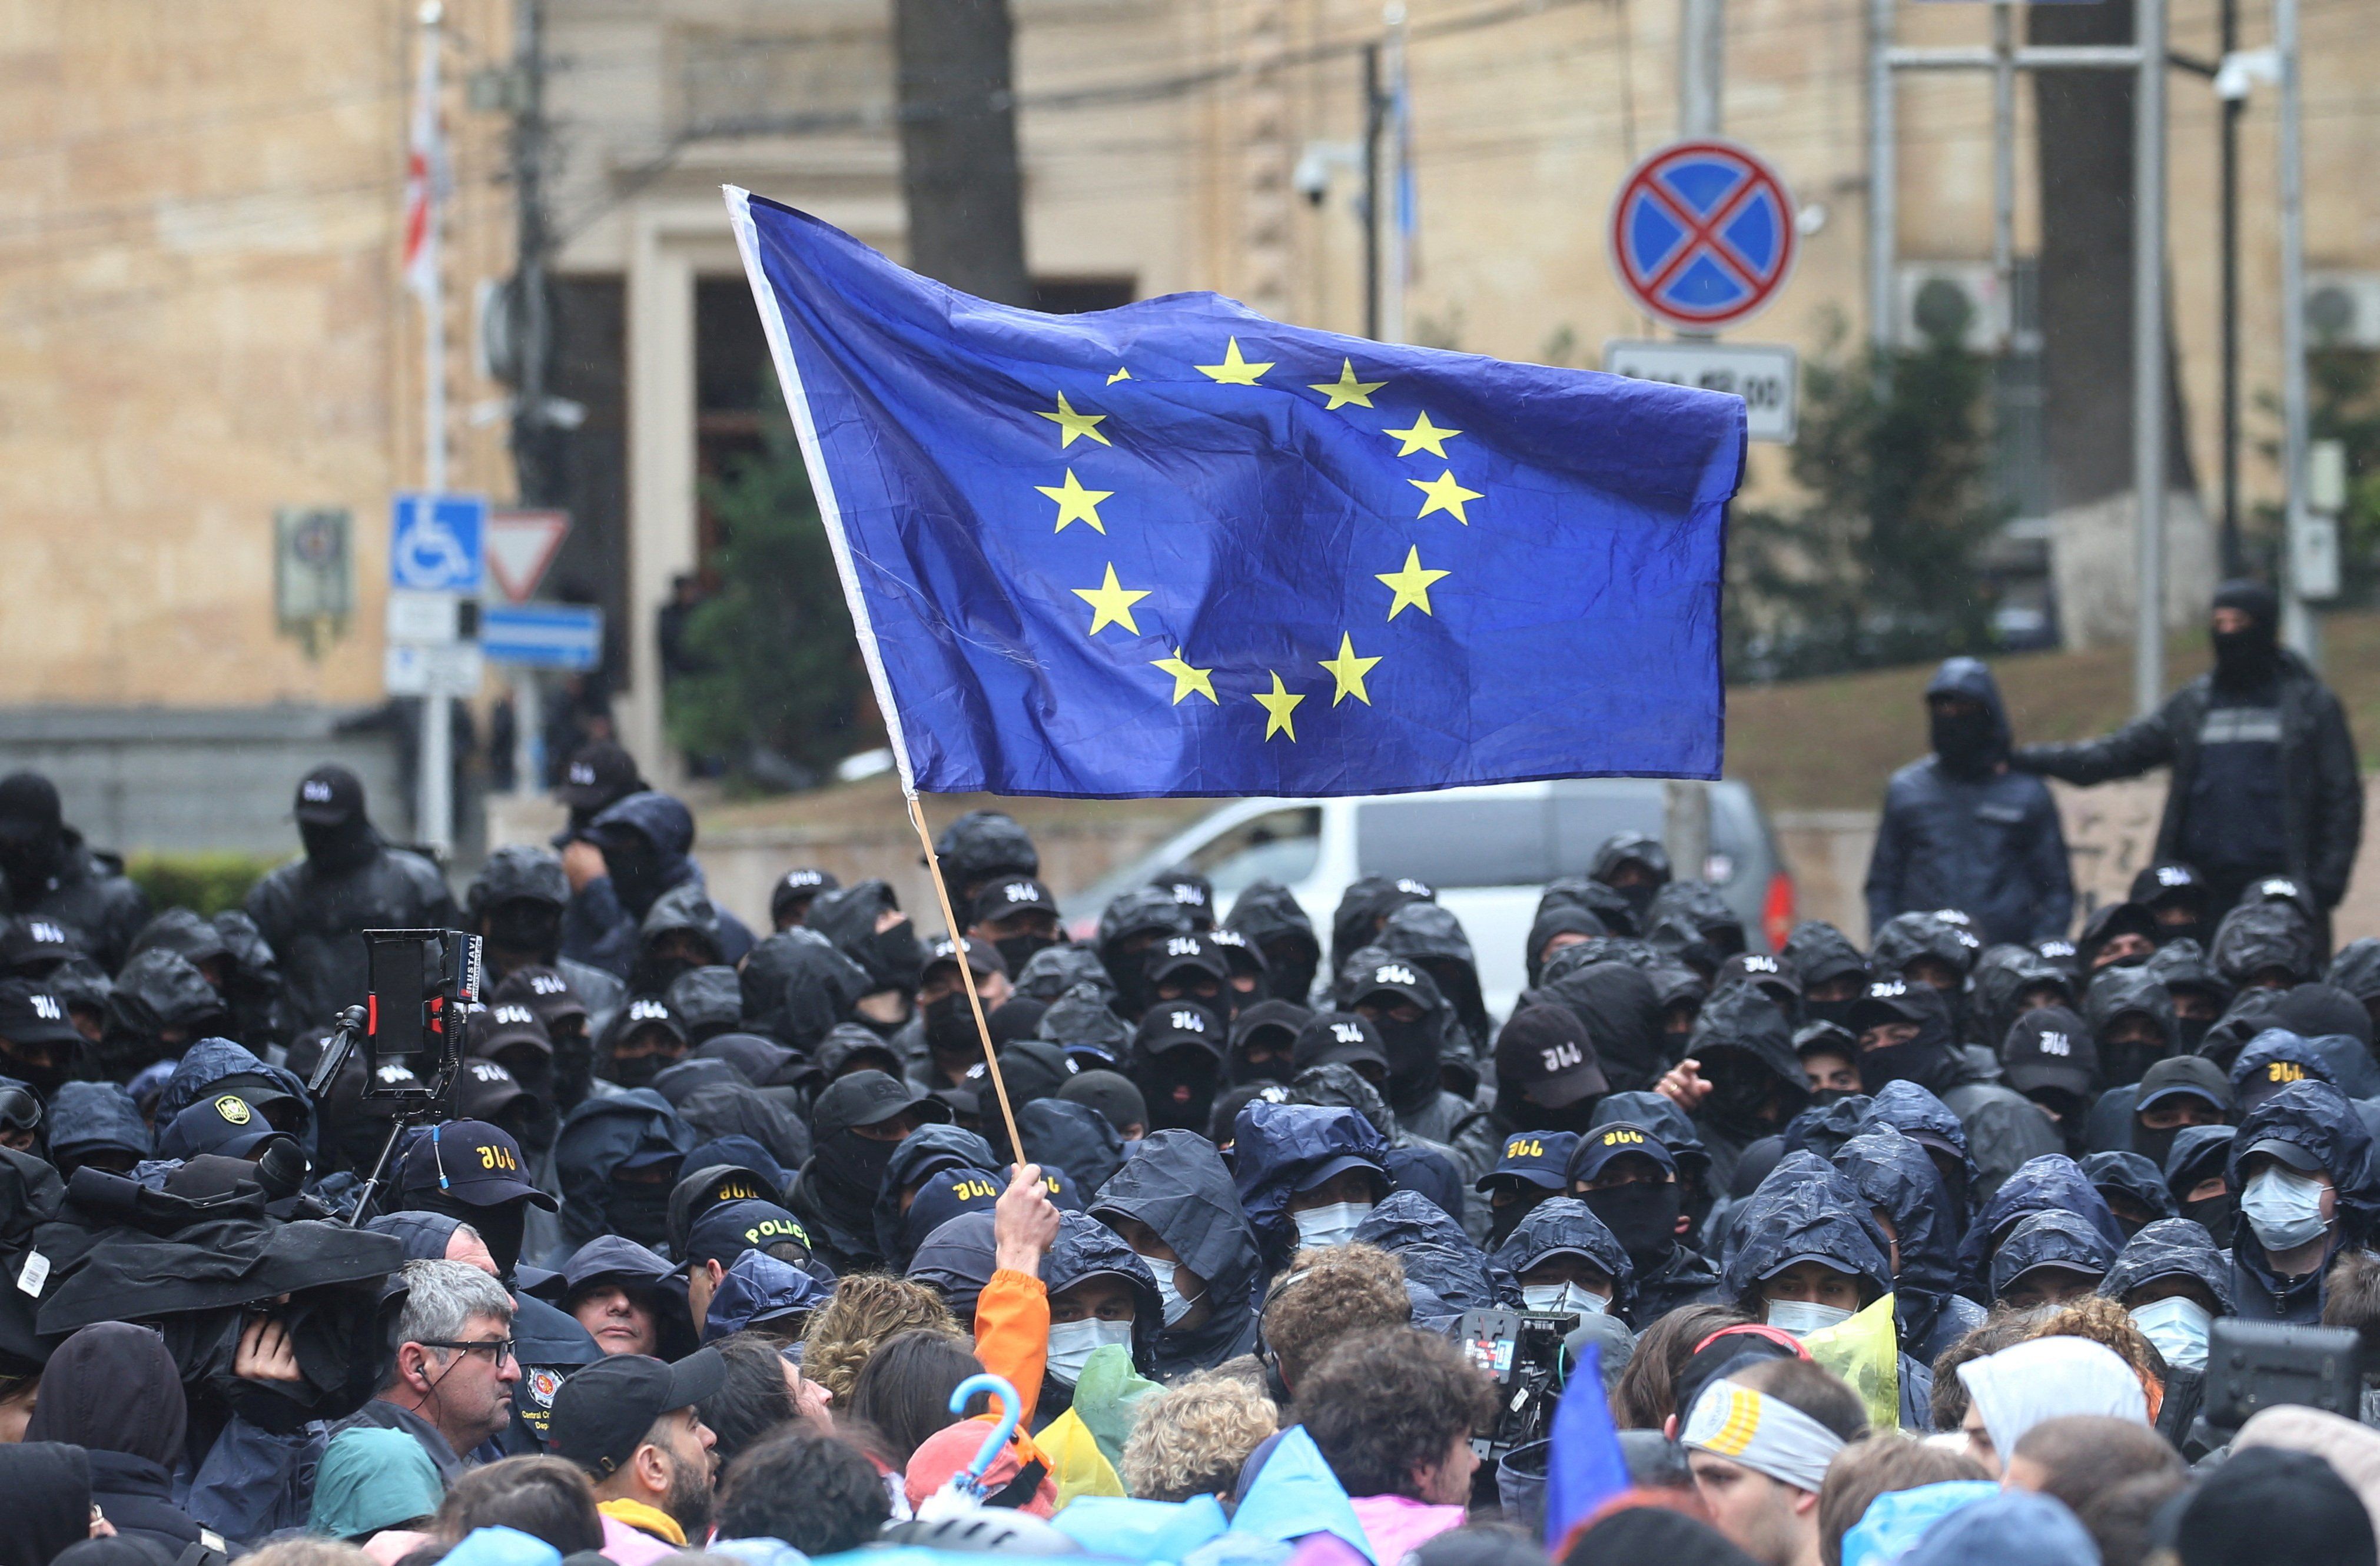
1764 1434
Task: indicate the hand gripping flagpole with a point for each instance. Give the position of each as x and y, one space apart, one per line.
966 975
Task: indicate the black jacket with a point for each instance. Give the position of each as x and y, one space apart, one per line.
92 897
315 919
1987 841
2322 782
1894 1176
2318 1118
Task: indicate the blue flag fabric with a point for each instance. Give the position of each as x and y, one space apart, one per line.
1585 1467
1179 548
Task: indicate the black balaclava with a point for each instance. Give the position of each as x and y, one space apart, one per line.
500 1225
2193 1031
44 1080
2152 1142
527 927
1185 1067
653 971
2245 660
1923 1059
638 1070
1642 1216
638 1211
850 1168
338 847
1966 742
1525 1114
1502 1220
33 830
2123 1062
950 1027
1019 950
1289 969
635 869
1414 1049
2217 1215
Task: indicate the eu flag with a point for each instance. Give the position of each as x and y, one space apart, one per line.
1179 548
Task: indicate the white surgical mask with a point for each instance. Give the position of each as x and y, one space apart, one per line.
1563 1299
2177 1328
1801 1320
2284 1208
1332 1225
1176 1308
1072 1344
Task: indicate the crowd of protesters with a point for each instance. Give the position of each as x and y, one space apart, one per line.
1909 1253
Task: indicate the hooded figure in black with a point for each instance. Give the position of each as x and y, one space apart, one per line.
797 986
2131 1019
2196 1171
1743 1049
2052 1183
647 841
1551 1252
1364 909
1927 1120
1275 923
160 1004
715 1101
2302 1164
618 1156
2198 993
1280 1150
1129 926
836 1193
1432 939
1622 1013
96 1124
980 848
1833 971
1696 905
515 905
1175 1205
2267 945
1641 1202
314 911
2003 1128
49 871
2265 776
1405 1006
1677 1133
2133 1187
893 957
113 1390
1895 1178
1637 867
1072 1139
2009 981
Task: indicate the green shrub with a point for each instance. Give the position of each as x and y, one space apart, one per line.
206 883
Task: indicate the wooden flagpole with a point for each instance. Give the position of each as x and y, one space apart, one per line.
966 976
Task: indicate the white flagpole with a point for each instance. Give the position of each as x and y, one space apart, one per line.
434 808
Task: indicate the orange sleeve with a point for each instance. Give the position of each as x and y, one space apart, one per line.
1012 1335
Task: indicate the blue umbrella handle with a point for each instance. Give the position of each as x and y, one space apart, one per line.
998 1387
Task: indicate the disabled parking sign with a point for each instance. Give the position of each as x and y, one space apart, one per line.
1702 234
436 543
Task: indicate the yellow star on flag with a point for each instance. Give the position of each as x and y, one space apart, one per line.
1074 424
1110 604
1445 494
1349 671
1347 389
1186 679
1278 705
1411 585
1422 436
1125 374
1234 370
1077 503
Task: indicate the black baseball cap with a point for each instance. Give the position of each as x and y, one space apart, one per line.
544 990
869 1098
1174 1025
2303 1159
471 1162
220 1123
2167 881
982 956
330 795
1338 1038
507 1025
602 1410
2184 1076
1176 952
796 887
1190 891
484 1089
1112 1093
1012 895
32 1013
649 1011
28 805
1533 1157
726 1231
1887 1000
1546 1052
1618 1139
1829 1038
35 939
1761 969
599 773
2050 1048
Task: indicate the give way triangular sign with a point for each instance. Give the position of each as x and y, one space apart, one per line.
521 545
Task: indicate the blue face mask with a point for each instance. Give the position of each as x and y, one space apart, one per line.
2177 1328
1072 1344
1563 1299
1331 1225
2283 1208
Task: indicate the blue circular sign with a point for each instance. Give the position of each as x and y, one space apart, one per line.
1702 234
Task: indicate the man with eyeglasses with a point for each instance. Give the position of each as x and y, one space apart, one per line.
449 1383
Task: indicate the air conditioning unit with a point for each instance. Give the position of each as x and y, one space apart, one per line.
1936 293
2343 309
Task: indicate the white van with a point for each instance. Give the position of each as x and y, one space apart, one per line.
1487 851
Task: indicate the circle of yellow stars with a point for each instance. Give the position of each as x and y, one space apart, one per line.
1111 603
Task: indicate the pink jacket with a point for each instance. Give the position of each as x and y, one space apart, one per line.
1397 1527
633 1547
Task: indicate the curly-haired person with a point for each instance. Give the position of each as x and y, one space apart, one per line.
1391 1412
1192 1440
